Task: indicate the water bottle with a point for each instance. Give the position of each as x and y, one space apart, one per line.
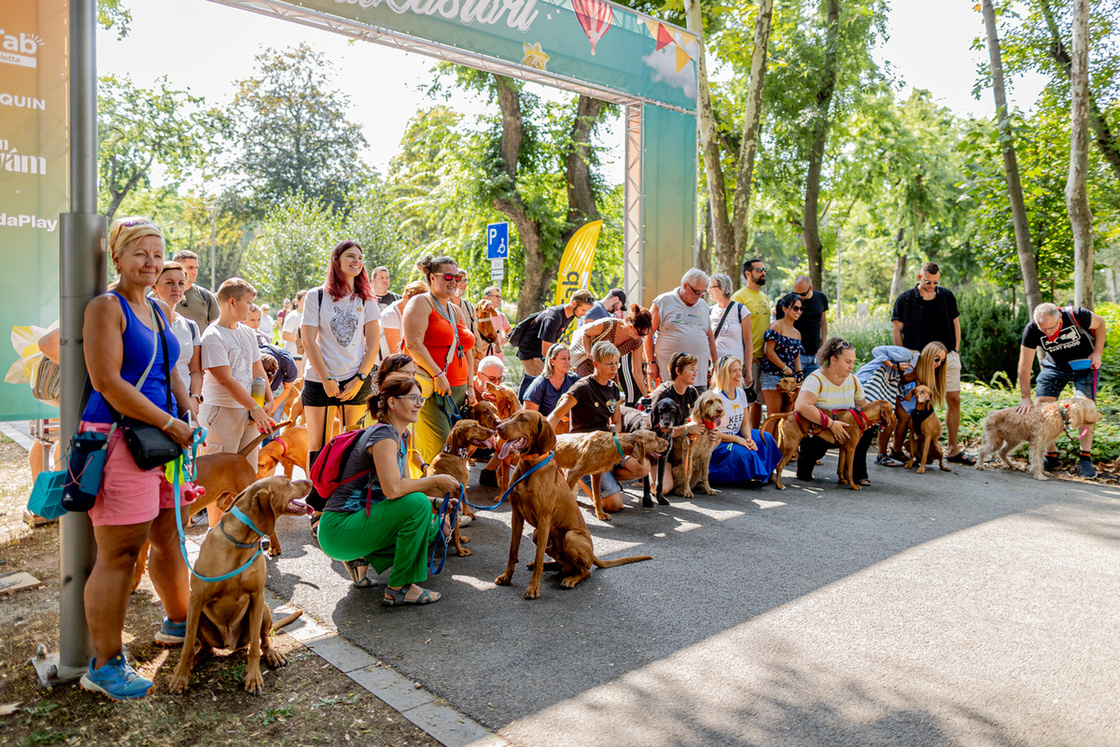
260 387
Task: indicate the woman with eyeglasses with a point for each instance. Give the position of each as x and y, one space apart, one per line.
381 517
781 352
832 387
628 336
731 322
437 337
743 455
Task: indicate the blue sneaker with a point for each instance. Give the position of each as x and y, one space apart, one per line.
171 633
117 680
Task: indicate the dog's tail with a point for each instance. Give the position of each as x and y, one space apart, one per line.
620 561
245 452
288 620
773 429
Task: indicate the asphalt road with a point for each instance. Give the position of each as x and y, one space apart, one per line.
965 608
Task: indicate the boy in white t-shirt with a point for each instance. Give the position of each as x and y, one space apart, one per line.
231 360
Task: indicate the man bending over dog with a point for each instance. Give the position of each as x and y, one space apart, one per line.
1072 341
594 405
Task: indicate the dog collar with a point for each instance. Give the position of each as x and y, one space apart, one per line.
533 458
283 446
244 519
618 446
236 543
462 453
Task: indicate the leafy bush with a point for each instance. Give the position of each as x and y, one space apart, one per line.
1110 360
864 332
990 334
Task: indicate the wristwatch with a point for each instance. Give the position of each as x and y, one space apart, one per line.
362 376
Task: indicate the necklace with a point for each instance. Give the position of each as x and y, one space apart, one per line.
444 312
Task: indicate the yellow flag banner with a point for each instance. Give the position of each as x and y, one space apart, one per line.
575 266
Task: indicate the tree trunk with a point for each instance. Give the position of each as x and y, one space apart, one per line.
704 256
898 280
1107 142
1077 195
581 197
537 274
1027 264
709 142
752 122
810 222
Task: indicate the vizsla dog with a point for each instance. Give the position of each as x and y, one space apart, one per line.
690 466
505 399
925 429
545 501
288 449
484 311
1006 429
595 453
233 614
792 428
453 461
789 388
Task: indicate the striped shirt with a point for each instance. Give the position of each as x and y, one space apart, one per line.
833 396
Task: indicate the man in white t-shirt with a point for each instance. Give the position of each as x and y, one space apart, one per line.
293 320
681 323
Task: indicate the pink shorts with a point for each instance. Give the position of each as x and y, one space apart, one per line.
128 494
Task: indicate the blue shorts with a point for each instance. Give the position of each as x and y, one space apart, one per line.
808 363
770 381
1051 381
607 484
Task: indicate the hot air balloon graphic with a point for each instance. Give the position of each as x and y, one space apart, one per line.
595 17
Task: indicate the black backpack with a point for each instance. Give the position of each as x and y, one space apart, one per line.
520 328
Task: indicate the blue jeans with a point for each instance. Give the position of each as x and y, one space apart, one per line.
607 484
808 363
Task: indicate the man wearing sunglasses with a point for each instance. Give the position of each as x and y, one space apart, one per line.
543 332
752 296
812 325
680 324
928 313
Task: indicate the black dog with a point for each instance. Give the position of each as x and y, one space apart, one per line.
666 415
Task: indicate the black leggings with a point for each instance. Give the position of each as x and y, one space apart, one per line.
813 448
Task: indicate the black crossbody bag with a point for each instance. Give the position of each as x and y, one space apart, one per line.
150 446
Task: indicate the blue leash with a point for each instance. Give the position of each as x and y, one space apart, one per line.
441 541
197 438
509 490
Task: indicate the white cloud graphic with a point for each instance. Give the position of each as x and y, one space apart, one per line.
664 64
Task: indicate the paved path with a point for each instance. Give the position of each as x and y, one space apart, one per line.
966 608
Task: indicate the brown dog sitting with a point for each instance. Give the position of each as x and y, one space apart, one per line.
288 449
692 456
453 461
595 453
789 388
233 614
925 429
791 429
545 501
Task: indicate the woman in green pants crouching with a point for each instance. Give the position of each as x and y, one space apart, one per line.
383 518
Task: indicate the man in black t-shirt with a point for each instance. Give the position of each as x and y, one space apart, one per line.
545 331
928 313
1072 342
812 325
381 293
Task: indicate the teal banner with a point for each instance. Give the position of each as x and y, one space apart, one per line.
669 205
585 40
34 191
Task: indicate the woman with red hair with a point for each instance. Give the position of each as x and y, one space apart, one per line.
341 337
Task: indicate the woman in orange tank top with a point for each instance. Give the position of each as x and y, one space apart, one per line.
438 340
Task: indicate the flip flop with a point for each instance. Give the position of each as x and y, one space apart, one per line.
961 458
396 597
886 461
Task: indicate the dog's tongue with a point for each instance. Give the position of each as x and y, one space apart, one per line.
505 450
299 506
492 442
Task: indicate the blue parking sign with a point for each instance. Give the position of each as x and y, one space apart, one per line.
497 241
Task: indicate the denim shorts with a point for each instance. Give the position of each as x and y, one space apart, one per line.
607 485
770 381
808 363
1051 381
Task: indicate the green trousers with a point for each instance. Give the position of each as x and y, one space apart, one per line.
396 533
434 424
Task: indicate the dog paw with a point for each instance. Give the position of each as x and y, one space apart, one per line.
274 551
178 683
922 470
647 503
463 552
708 491
254 685
909 464
275 658
464 538
663 501
1041 476
945 469
503 580
533 593
602 516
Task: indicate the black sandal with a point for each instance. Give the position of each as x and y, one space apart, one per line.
396 597
357 569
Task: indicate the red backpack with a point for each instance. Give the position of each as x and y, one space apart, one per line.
326 473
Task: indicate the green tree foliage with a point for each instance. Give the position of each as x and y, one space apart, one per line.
143 130
292 246
111 14
291 133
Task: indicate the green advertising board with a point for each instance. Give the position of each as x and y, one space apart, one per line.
34 189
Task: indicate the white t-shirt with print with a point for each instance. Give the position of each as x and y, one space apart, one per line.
730 340
236 348
341 338
734 409
186 332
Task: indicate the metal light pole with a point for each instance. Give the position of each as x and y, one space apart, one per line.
82 270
